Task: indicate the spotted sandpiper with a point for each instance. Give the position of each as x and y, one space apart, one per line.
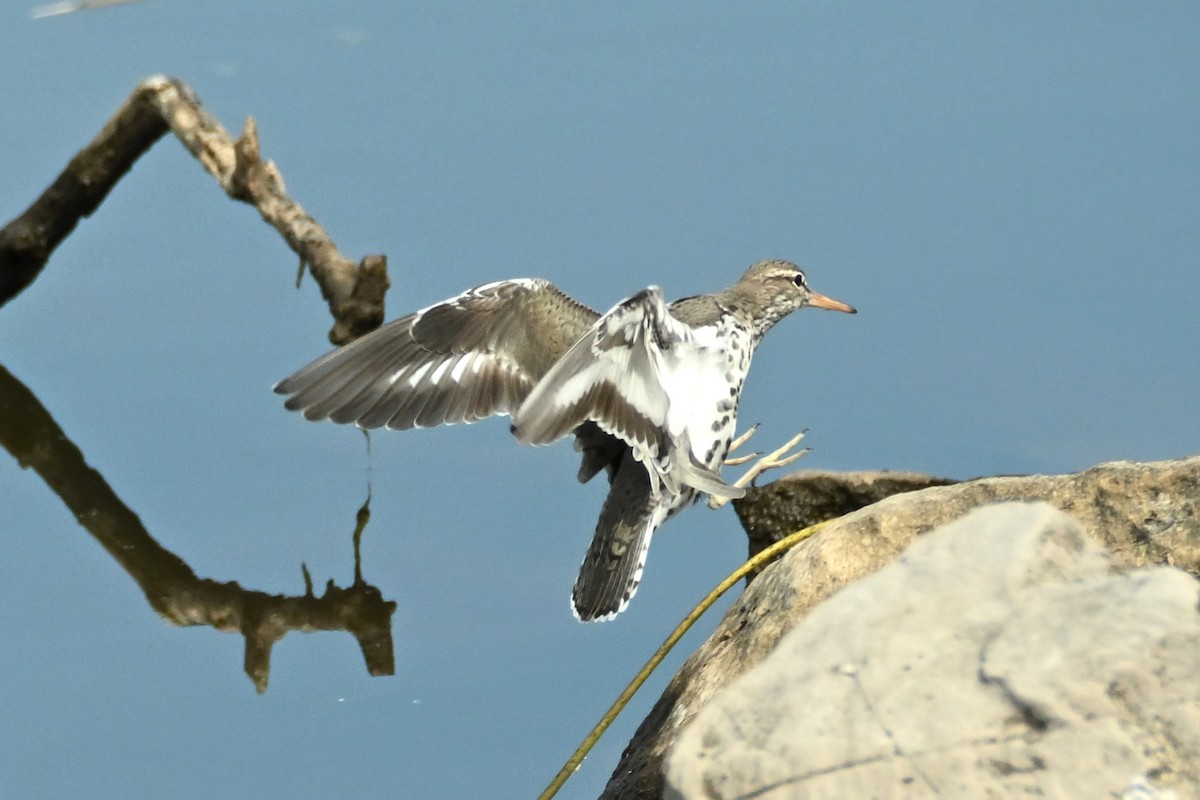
649 390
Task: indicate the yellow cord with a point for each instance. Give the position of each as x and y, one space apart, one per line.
568 769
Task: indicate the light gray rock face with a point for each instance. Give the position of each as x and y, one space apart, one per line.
1143 514
1000 656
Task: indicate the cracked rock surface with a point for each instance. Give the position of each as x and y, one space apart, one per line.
1144 514
1001 655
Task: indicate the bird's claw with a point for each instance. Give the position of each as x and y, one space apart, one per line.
739 441
736 462
780 457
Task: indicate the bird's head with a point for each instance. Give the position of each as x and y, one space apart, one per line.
777 288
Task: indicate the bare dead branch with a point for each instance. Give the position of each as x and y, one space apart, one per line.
354 292
172 589
27 242
71 6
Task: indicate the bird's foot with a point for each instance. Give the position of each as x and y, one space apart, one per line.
781 457
738 442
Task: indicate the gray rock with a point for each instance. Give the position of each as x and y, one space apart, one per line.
998 657
1143 514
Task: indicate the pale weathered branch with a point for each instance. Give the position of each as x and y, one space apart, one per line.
71 6
354 292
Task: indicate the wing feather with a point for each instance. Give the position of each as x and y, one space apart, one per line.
616 376
470 357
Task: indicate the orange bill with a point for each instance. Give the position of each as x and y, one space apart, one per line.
818 300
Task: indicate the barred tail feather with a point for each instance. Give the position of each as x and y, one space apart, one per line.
612 568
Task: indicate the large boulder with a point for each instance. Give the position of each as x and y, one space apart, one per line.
1000 656
1141 514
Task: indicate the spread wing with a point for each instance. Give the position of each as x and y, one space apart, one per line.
461 360
620 375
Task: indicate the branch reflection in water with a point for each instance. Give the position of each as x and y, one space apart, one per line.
36 441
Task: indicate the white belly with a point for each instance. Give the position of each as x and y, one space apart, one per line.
699 376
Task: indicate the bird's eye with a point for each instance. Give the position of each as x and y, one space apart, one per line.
800 281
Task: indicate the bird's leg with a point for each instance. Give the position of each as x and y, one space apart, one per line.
777 458
738 442
781 457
